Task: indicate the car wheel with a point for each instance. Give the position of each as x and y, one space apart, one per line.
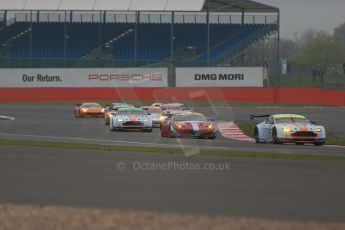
147 130
275 137
319 143
256 135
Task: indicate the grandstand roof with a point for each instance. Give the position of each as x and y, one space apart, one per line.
237 6
138 5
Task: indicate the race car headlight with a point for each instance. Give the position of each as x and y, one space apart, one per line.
84 110
317 130
287 130
103 110
144 120
120 120
179 126
161 118
210 126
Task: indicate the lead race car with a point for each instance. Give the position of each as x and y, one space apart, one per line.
188 124
131 118
288 128
88 109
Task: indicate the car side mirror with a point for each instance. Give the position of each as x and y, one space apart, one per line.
78 105
313 122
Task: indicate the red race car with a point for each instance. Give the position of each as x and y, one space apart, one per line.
89 109
194 125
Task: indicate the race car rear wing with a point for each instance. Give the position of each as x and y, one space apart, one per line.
257 116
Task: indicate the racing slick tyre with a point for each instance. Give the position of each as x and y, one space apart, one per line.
275 137
319 143
256 135
147 130
111 128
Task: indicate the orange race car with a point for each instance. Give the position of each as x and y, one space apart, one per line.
88 109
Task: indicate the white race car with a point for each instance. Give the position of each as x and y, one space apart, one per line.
288 128
131 118
156 114
173 108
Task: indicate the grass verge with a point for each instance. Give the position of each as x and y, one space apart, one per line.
166 150
247 128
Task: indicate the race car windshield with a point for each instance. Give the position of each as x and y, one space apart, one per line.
190 118
291 120
173 108
300 120
131 112
91 105
119 104
154 110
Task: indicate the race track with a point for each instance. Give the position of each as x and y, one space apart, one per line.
253 188
57 123
259 188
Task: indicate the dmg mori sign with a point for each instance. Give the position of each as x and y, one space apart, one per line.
83 77
219 77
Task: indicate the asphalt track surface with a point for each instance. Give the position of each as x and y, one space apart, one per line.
259 188
57 123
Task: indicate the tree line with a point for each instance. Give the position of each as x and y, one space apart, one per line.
317 51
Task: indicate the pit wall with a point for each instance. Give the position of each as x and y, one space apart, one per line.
256 95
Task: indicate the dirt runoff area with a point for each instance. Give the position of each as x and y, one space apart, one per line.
32 217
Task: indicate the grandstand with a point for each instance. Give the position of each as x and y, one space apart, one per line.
206 32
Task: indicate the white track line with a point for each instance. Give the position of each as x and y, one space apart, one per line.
6 118
145 143
133 143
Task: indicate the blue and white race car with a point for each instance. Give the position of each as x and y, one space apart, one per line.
131 118
110 110
288 128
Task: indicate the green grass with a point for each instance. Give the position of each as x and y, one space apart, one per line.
333 140
332 80
247 128
172 150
